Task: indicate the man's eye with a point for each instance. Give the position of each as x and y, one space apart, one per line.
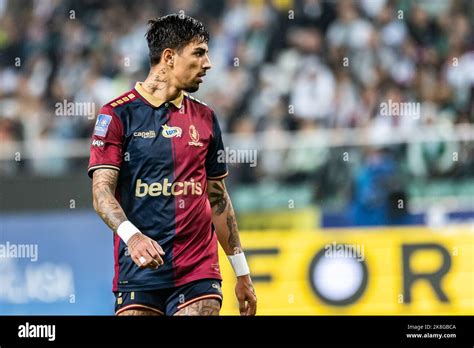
199 54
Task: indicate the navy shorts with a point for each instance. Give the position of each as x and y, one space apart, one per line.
169 301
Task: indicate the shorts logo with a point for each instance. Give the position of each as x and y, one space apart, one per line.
194 134
102 125
145 135
97 142
170 132
217 287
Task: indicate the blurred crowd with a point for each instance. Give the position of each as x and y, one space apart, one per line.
277 65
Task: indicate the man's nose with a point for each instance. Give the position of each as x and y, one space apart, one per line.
207 63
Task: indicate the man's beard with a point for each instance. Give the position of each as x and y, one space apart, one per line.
191 89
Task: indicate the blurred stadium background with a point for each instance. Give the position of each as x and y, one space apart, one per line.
303 84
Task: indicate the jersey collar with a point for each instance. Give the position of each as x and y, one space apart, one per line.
156 101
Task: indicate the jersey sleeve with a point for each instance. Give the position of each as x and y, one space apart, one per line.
216 166
106 141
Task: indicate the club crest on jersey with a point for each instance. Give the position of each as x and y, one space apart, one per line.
170 132
102 125
194 134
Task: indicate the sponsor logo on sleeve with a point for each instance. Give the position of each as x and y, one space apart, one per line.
97 143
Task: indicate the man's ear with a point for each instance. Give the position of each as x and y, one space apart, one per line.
168 57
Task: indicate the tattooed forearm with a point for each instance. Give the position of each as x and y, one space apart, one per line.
217 198
223 217
106 205
234 241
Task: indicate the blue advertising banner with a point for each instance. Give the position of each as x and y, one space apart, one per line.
55 264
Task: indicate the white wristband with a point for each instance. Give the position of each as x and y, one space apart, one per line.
239 264
126 229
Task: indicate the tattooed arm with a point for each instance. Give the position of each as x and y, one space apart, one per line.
223 218
104 183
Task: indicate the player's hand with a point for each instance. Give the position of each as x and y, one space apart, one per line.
145 252
246 295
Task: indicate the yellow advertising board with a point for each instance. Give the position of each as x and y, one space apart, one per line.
288 219
379 271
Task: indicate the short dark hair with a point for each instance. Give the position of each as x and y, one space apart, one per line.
173 31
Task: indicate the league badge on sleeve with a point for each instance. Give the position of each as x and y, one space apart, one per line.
102 124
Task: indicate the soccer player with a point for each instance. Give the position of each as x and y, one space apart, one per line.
158 184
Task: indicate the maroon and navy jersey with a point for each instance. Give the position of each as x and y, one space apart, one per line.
165 152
